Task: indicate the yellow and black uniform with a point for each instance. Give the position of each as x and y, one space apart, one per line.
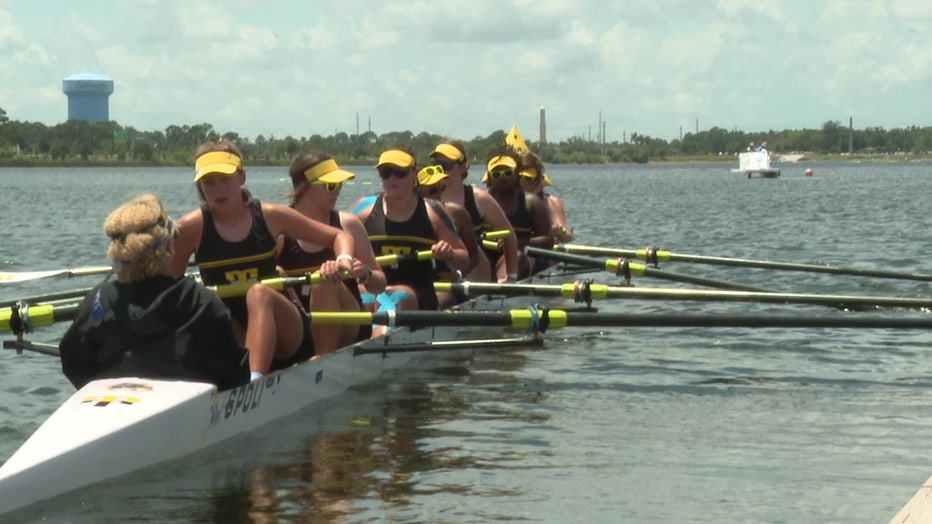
296 262
249 260
403 238
469 202
523 224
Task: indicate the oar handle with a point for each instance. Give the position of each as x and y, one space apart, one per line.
238 289
391 260
496 235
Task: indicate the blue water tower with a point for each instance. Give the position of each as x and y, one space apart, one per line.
87 97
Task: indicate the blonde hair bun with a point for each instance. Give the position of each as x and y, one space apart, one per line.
138 230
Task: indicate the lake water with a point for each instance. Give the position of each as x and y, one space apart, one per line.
600 425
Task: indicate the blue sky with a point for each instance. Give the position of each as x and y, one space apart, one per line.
465 68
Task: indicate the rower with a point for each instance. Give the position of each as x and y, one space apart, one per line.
431 182
233 239
483 209
399 222
317 181
534 180
526 212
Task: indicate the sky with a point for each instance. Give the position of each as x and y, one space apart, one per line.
467 68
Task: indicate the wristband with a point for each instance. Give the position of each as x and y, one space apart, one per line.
365 279
512 276
347 257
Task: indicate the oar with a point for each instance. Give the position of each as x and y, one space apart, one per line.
238 289
19 320
390 260
50 297
13 315
541 319
586 292
495 235
14 277
617 266
650 255
55 297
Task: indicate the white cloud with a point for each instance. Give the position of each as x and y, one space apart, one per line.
468 67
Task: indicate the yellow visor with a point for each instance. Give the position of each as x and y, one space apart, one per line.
529 173
396 157
449 151
431 175
328 172
216 162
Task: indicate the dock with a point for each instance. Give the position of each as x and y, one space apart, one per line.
918 509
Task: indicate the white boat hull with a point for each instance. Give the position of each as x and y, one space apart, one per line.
111 427
756 163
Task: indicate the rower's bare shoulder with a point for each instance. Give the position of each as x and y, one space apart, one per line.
191 218
351 222
484 199
190 226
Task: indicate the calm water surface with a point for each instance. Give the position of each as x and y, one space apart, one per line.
601 425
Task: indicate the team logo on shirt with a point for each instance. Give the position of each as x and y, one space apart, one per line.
396 250
249 274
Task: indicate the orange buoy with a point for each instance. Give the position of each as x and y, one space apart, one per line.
808 172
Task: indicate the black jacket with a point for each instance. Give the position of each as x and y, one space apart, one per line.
160 327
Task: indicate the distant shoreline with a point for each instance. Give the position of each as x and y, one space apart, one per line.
679 159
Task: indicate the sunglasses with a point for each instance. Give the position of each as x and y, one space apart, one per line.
386 172
431 171
444 164
332 187
502 173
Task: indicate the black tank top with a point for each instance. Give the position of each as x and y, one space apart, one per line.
223 262
523 224
469 202
296 261
401 238
521 220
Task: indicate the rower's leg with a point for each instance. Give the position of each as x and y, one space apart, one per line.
275 327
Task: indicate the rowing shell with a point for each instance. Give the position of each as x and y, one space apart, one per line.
111 427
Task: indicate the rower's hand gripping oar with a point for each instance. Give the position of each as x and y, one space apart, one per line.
654 256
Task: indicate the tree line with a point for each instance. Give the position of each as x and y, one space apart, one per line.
78 141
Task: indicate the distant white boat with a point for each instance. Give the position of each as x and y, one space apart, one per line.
756 163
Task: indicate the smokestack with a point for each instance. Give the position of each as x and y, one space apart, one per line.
850 135
543 126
